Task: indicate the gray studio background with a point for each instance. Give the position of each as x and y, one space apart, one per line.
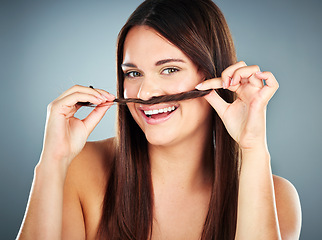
48 46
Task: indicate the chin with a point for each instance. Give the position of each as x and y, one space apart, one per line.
160 138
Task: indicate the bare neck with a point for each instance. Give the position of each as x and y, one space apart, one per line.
184 165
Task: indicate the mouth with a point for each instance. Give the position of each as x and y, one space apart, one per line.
158 115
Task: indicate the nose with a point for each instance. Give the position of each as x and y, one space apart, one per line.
148 89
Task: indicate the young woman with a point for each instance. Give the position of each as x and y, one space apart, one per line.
193 169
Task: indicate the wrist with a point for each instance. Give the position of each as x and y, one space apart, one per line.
257 153
52 168
255 145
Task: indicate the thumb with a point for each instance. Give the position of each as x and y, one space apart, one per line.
213 83
217 102
96 116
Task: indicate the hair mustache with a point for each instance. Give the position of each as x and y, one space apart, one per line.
158 99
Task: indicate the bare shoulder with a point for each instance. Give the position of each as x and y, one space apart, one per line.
93 163
288 207
84 189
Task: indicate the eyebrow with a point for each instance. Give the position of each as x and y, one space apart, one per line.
128 65
158 63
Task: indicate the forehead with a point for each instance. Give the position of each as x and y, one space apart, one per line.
144 44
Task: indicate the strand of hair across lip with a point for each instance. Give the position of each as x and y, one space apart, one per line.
158 99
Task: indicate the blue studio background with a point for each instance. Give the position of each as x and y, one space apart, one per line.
48 46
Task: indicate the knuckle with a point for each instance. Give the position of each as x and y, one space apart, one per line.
242 63
76 94
271 74
277 85
256 67
75 87
51 106
238 72
224 74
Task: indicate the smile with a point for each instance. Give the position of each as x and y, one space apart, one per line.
157 114
149 113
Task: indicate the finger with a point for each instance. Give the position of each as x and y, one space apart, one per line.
255 81
217 102
243 74
96 116
267 92
110 97
64 104
227 74
213 83
79 88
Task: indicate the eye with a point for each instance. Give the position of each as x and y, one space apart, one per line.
170 70
132 74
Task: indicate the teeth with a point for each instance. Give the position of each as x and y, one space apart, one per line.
157 111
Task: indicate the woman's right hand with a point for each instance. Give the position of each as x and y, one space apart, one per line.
66 135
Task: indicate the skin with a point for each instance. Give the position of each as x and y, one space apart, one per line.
180 181
69 180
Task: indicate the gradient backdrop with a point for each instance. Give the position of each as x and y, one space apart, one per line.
48 46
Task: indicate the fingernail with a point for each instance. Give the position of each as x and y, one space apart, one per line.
100 99
105 98
198 86
231 81
109 97
223 85
259 72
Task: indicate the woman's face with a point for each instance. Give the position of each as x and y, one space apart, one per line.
153 66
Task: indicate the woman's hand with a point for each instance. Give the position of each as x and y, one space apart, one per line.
65 135
244 119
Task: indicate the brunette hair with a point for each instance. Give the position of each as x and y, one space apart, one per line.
199 29
157 99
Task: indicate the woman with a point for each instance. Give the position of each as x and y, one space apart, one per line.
190 169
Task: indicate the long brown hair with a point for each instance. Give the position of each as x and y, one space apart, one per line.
199 29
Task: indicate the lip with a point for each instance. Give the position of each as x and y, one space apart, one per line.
143 107
153 121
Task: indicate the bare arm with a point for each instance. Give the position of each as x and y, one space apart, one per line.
256 198
258 216
65 137
267 205
44 210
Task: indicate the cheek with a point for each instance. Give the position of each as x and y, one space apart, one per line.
130 90
131 108
189 82
184 86
180 85
197 110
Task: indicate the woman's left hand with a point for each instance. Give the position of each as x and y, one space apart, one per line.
245 118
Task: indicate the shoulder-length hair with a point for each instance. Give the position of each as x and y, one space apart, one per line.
199 29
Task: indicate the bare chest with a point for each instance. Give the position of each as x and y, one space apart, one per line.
172 220
179 217
176 216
